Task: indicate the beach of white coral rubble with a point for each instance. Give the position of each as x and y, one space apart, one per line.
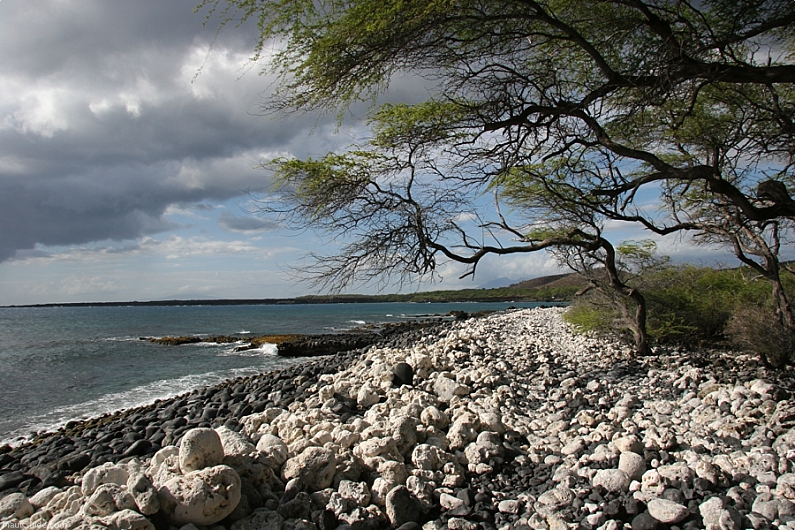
509 421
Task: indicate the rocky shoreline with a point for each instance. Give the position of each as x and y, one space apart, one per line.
510 422
294 345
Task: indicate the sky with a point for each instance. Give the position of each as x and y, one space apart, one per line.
130 133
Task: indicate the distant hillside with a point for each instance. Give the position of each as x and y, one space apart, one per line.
572 279
555 288
498 283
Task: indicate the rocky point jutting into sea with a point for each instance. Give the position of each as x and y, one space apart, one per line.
508 421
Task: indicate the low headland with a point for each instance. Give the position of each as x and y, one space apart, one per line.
506 421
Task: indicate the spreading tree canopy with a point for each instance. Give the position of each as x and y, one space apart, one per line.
570 112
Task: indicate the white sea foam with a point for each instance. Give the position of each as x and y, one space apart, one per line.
138 397
265 350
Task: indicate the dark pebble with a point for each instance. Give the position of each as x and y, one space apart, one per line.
74 462
139 448
325 520
404 375
9 480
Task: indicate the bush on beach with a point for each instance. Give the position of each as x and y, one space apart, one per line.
696 306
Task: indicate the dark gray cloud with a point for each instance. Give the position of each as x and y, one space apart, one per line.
245 224
104 122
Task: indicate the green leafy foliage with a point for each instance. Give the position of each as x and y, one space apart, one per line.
570 112
586 317
694 306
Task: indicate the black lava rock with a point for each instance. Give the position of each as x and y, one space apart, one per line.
9 480
404 375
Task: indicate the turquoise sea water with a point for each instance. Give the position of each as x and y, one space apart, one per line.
63 363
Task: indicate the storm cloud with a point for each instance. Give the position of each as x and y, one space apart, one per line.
111 112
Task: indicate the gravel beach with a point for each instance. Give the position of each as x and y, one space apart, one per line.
508 421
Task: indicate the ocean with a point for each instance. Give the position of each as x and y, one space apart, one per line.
69 363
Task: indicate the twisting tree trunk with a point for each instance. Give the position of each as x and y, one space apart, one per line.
637 318
746 242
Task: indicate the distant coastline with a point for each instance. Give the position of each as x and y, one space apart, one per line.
309 300
549 289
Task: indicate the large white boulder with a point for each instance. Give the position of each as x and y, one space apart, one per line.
44 496
200 448
201 497
104 474
15 505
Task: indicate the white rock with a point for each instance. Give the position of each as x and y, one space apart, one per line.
337 504
383 447
354 492
450 503
273 447
104 474
68 502
201 497
66 521
677 475
108 498
716 516
629 443
15 505
163 455
200 448
667 512
492 422
315 467
393 471
344 438
367 396
381 487
234 443
481 451
633 464
404 432
509 506
575 446
446 389
557 497
44 496
463 431
129 520
144 494
428 457
761 386
613 480
785 486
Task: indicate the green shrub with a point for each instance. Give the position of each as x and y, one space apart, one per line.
758 330
586 316
693 306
